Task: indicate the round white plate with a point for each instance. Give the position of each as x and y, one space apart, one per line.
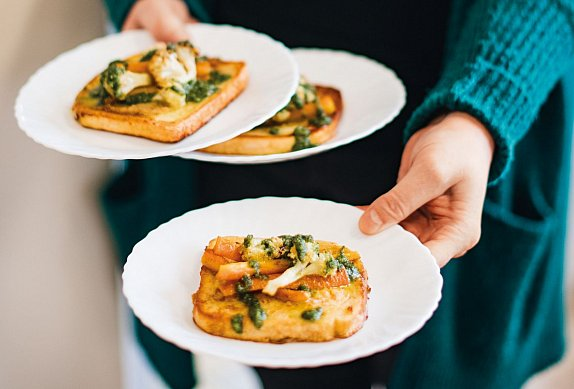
43 107
163 271
373 95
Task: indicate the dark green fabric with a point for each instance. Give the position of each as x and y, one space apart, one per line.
501 317
133 207
118 11
504 58
126 197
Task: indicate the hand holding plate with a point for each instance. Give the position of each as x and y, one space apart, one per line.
164 19
441 187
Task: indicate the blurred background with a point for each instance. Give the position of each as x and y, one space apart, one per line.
58 277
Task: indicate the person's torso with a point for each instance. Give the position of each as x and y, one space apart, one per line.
407 36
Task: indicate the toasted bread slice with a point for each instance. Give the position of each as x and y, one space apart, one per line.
261 141
343 308
157 120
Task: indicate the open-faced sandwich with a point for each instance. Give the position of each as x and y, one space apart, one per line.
310 119
288 288
164 94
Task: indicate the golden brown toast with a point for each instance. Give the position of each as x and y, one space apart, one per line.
274 138
157 120
291 315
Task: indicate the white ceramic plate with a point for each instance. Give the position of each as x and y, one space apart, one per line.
163 271
43 107
372 96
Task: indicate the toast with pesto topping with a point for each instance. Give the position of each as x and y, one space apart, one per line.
310 119
163 94
288 288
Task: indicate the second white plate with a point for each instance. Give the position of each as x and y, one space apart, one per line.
43 107
372 96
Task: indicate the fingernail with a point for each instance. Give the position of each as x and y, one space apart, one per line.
377 222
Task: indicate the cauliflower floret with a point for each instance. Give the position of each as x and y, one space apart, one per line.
262 249
315 266
171 97
118 81
281 116
308 260
305 93
173 65
186 57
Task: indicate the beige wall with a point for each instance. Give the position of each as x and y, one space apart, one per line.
57 299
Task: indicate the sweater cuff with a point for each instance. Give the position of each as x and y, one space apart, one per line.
488 94
505 60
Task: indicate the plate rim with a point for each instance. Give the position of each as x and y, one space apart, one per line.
82 151
327 146
264 361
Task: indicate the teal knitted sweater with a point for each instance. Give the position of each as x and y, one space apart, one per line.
508 63
503 58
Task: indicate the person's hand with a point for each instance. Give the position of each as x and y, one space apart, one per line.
164 19
440 188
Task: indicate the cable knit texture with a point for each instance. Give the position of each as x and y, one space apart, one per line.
502 62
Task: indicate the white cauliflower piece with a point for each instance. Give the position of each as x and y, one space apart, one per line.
118 81
171 97
312 262
173 65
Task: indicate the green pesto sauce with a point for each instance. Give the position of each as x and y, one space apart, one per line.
269 248
321 119
312 314
217 78
256 313
147 56
99 93
274 130
297 101
332 264
244 284
197 90
138 98
111 76
247 241
300 247
254 309
342 262
352 271
302 140
303 287
255 265
237 323
298 241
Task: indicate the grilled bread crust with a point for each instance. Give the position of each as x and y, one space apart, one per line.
156 122
246 144
344 312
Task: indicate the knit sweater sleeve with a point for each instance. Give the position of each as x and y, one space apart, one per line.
118 10
501 64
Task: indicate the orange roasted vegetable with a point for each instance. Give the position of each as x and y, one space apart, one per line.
234 271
